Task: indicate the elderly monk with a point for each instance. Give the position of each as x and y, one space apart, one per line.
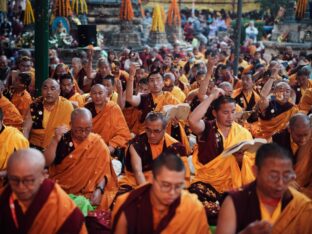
46 113
247 97
275 111
108 120
12 116
154 101
296 135
32 204
21 98
164 206
11 139
69 92
215 173
80 161
267 205
145 148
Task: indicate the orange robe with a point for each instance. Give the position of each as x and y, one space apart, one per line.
78 99
22 102
147 219
60 115
305 104
84 168
11 139
51 211
12 116
110 124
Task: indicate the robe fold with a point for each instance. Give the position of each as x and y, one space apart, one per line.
305 104
223 173
60 115
79 170
146 219
77 98
110 124
12 116
11 139
51 211
22 102
148 155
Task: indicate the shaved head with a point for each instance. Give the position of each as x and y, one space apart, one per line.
299 120
300 129
81 113
98 86
51 81
98 95
26 173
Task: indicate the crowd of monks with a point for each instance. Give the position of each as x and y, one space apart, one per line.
102 133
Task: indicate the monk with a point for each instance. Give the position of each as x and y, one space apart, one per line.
154 101
213 172
68 90
305 104
274 112
169 81
296 135
247 97
32 204
11 139
303 83
164 206
12 116
46 113
21 98
145 148
267 205
79 161
108 120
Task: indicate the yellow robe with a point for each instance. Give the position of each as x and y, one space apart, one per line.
305 104
11 140
78 99
60 115
223 173
12 116
178 93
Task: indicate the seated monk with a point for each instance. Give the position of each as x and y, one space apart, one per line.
169 86
11 139
68 90
108 120
305 104
46 113
213 172
267 205
21 98
32 204
247 97
80 161
164 206
154 101
109 83
274 112
295 136
303 83
145 148
12 116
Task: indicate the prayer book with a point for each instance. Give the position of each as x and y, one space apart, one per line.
248 145
180 111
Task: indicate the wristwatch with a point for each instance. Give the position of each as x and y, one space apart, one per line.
101 189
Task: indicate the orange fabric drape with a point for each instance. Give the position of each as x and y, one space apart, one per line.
174 17
126 10
62 8
12 117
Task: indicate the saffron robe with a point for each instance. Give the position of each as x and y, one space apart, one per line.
223 173
294 218
60 115
305 104
51 211
147 220
79 170
22 102
12 116
148 153
110 124
11 139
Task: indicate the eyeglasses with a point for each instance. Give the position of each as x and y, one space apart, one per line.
154 131
166 187
82 130
15 181
286 178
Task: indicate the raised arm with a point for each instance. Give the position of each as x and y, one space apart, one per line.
195 119
121 100
134 100
27 125
50 152
204 84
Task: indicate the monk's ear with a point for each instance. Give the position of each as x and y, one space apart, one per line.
214 113
255 170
